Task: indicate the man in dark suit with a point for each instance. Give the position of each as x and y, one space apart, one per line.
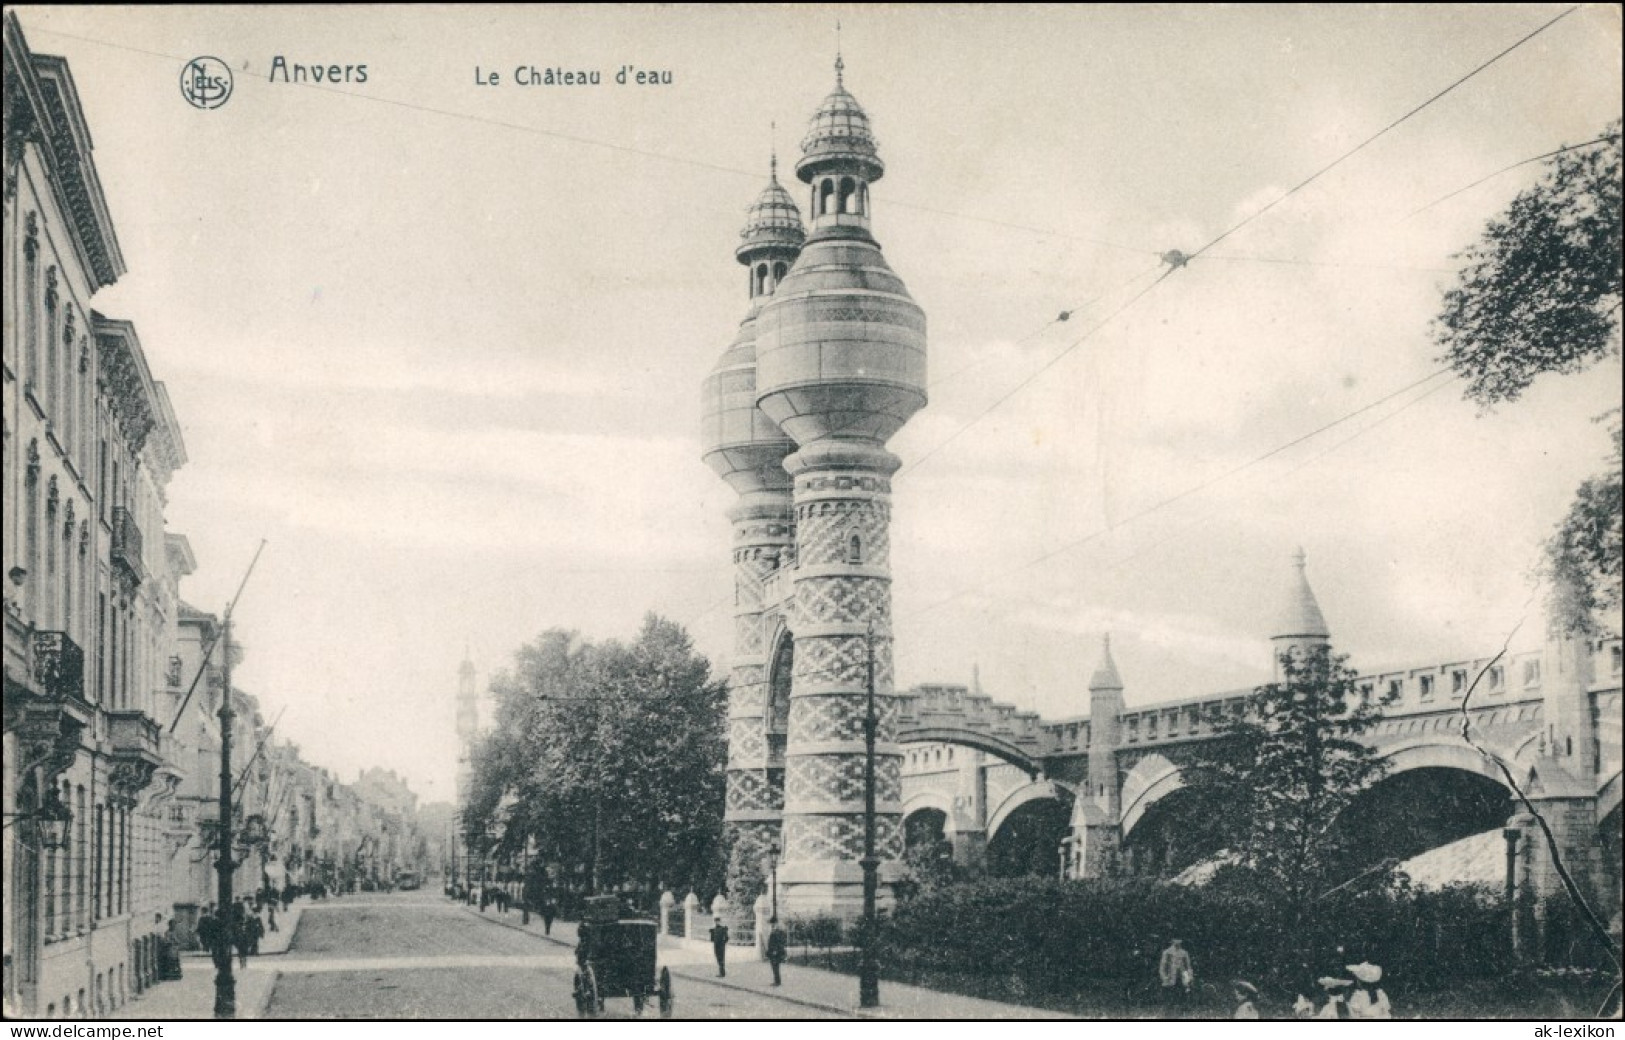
719 945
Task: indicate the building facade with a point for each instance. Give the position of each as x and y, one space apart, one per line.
90 445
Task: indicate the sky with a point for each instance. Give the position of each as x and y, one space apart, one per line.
439 342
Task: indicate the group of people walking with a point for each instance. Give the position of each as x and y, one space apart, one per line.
241 927
1356 995
778 947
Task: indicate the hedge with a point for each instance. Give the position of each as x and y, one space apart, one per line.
1055 936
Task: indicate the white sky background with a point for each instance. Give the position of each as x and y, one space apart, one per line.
450 367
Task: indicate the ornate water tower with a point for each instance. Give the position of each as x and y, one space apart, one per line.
840 367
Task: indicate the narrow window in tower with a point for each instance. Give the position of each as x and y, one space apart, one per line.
863 199
778 273
847 202
854 550
826 191
761 279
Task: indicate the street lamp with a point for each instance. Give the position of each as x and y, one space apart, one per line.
51 820
869 966
773 872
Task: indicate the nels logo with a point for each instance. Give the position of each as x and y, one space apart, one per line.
206 82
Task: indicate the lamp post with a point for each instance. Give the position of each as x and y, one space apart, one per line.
773 875
225 984
869 967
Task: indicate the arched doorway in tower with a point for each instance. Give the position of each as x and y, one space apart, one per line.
780 674
1029 839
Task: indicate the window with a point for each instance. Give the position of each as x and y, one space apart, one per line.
1366 690
1498 679
1458 682
53 365
1614 659
1425 687
854 550
31 305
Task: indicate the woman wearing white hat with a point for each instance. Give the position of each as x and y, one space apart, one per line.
1337 994
1246 995
1368 1000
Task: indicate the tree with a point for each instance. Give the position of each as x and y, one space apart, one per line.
614 756
1284 770
1540 292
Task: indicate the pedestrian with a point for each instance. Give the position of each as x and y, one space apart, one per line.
208 934
549 911
256 932
1368 1001
1337 994
287 897
241 937
272 911
1176 974
778 947
1246 995
719 946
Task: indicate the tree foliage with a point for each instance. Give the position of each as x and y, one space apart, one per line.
1584 555
1283 771
611 757
1540 291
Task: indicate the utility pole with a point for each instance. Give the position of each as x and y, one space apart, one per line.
869 969
225 984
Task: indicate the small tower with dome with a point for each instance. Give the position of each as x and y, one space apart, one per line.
747 449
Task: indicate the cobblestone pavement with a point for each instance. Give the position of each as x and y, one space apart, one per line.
416 955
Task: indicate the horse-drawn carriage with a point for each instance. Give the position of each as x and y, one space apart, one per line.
615 957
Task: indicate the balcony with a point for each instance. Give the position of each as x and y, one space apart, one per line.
50 714
137 741
135 733
59 666
126 549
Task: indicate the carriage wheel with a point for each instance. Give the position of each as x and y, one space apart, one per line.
664 992
588 1003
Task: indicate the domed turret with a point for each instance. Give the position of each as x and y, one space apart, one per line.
839 132
772 224
840 347
741 444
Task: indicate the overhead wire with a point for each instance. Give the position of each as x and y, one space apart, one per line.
1513 166
1177 259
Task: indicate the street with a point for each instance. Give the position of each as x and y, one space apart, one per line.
417 955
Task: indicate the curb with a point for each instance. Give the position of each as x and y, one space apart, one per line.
722 983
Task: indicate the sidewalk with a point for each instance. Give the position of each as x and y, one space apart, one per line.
807 986
192 995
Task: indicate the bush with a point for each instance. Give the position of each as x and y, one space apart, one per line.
1054 936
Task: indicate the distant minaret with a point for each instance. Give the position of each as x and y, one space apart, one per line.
468 722
1301 625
